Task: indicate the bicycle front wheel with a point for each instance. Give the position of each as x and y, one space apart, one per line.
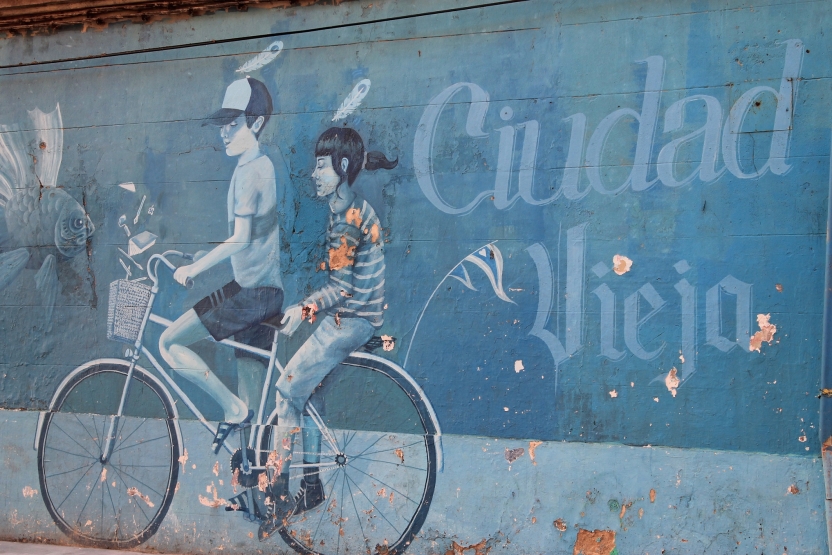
377 463
119 503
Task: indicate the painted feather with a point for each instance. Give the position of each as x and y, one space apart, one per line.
263 58
353 100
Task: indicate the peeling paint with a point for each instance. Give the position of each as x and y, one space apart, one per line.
480 548
103 477
652 496
621 264
28 492
354 217
216 469
342 256
400 454
183 459
533 445
216 501
134 492
613 394
388 342
793 489
779 287
595 542
766 333
375 232
672 381
560 524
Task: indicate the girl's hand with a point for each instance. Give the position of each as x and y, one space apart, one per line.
292 319
183 273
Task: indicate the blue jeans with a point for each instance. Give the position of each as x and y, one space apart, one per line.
328 346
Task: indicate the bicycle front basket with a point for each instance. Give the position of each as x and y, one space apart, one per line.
128 303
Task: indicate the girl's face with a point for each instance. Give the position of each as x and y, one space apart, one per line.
325 176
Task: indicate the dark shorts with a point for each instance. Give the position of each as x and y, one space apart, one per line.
238 311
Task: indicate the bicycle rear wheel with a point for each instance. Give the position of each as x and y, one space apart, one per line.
378 465
118 504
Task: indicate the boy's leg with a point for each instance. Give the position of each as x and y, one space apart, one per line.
188 329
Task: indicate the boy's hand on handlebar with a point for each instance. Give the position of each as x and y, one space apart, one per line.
292 319
183 274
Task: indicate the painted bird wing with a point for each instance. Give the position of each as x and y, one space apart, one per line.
12 162
49 132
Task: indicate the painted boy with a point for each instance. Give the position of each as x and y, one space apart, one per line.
256 293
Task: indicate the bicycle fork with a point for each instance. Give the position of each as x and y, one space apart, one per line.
110 438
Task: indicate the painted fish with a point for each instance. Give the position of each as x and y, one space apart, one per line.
42 223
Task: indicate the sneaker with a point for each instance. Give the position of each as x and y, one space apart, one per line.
309 496
282 509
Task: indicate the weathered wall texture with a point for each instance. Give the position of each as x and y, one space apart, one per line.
599 258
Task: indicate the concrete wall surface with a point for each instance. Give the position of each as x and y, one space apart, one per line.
551 276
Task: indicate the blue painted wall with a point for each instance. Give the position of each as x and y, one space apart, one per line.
537 144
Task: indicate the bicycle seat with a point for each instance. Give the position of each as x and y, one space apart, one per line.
274 322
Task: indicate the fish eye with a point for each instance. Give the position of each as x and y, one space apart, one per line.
77 223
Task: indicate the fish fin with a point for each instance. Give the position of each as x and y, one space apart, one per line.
46 280
49 131
12 161
11 264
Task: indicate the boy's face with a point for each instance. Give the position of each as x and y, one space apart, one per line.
237 136
325 176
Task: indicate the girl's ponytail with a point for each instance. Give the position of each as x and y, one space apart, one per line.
376 160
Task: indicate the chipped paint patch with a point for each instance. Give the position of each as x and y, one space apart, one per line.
652 496
640 513
613 394
29 492
621 264
354 217
514 454
518 366
388 342
672 381
103 477
793 489
779 287
183 459
342 256
595 542
766 333
533 445
480 548
134 492
216 469
560 524
216 501
375 233
400 455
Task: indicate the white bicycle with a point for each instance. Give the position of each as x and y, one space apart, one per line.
109 447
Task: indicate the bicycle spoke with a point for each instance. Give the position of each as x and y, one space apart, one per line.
123 441
357 516
142 444
334 481
401 465
87 456
361 491
385 484
349 440
78 521
85 428
369 447
123 472
363 455
73 440
116 513
66 471
75 486
341 516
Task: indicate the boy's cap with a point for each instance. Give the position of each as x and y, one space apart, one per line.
243 96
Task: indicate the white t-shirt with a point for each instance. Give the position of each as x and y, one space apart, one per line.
253 193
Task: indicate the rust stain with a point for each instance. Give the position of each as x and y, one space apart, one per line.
354 217
29 492
342 256
134 492
621 264
560 524
672 381
595 542
375 233
216 469
652 496
533 445
216 501
766 333
793 489
480 548
514 454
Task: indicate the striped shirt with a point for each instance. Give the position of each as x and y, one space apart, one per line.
356 266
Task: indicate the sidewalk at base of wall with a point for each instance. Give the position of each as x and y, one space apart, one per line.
15 548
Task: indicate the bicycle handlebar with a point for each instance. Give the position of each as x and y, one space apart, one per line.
152 268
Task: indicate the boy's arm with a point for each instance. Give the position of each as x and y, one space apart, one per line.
239 240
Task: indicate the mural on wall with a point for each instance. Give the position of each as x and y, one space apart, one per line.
333 268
